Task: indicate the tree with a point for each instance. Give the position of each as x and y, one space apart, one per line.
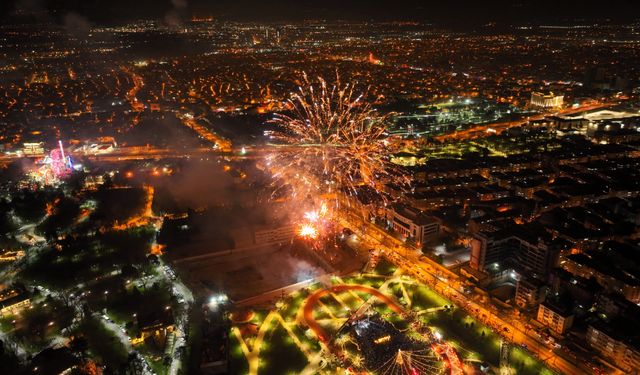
76 180
65 213
129 271
66 299
79 345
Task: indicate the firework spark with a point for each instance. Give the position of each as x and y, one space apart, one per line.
312 216
308 231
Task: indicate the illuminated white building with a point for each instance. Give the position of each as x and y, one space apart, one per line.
550 100
33 149
554 317
412 223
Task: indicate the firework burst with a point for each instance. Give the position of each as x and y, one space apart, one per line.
334 139
333 142
308 231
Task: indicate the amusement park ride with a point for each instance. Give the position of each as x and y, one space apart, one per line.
56 165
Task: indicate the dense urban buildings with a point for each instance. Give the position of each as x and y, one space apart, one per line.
251 188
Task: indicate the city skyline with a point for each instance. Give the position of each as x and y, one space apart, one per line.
319 188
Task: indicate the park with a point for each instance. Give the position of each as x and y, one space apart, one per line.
378 322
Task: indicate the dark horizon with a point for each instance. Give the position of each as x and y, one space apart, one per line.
457 14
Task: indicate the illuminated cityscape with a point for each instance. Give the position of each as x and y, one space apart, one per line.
384 188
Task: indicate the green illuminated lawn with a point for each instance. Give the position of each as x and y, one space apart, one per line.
281 346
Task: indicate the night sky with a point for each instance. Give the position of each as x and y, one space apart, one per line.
456 12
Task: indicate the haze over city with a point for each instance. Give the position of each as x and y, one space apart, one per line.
304 187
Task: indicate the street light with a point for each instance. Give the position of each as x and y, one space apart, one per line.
217 300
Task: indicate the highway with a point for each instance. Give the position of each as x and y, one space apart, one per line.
224 147
133 153
479 131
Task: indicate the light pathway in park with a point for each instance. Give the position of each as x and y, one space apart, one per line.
351 292
316 360
431 310
326 309
253 355
405 294
340 301
335 321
